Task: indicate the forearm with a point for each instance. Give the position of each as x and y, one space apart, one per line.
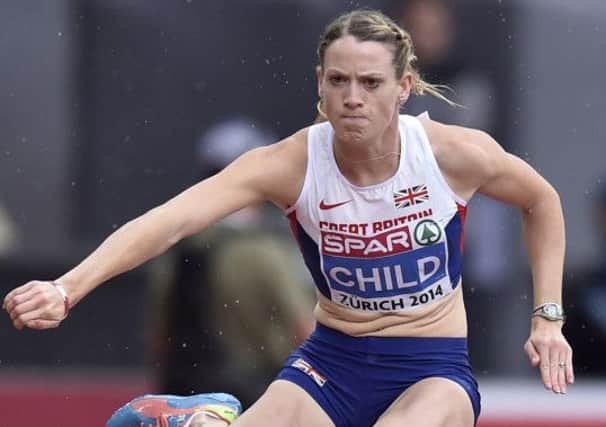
545 240
128 247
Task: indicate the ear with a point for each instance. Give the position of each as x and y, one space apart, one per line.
319 76
405 87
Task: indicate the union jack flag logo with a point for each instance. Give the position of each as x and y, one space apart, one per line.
410 196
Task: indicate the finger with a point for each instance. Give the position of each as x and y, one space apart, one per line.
38 313
562 372
553 370
15 292
545 365
569 367
20 321
22 308
42 324
16 299
532 353
36 304
31 294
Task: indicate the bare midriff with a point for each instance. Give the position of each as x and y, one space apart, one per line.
443 318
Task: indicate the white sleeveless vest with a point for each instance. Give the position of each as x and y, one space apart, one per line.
388 247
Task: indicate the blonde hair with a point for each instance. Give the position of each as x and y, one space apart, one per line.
373 25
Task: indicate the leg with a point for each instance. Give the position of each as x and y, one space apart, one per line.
432 402
284 404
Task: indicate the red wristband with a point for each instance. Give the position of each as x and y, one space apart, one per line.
66 304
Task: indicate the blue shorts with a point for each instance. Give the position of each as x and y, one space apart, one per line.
356 379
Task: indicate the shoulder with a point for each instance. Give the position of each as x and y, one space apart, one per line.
467 157
276 170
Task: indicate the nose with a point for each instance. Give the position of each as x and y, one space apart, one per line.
353 97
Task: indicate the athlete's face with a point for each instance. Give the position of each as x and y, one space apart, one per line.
358 85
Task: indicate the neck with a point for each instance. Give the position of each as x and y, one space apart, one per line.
366 163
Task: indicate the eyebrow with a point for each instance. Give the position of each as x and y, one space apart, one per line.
365 74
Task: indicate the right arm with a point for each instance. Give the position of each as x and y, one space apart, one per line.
256 176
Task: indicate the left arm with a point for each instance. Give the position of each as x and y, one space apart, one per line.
515 182
481 165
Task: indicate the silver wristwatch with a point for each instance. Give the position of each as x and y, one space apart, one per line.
550 311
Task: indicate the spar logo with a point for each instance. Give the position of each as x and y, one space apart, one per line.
427 232
389 243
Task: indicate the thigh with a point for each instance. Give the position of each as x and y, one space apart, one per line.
432 402
284 404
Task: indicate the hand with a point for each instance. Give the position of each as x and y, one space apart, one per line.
548 349
36 305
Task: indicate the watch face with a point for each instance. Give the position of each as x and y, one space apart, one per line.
551 310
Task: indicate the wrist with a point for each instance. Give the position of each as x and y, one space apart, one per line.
550 311
538 322
64 295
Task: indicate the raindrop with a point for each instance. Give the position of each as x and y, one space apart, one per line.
184 345
59 33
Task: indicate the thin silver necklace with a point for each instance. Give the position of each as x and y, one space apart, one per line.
382 156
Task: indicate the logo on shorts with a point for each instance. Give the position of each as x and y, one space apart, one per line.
305 367
427 232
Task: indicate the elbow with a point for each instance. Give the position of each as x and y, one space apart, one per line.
547 200
552 197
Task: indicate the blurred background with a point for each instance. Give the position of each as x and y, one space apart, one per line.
110 107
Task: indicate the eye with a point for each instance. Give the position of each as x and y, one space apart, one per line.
372 83
336 80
